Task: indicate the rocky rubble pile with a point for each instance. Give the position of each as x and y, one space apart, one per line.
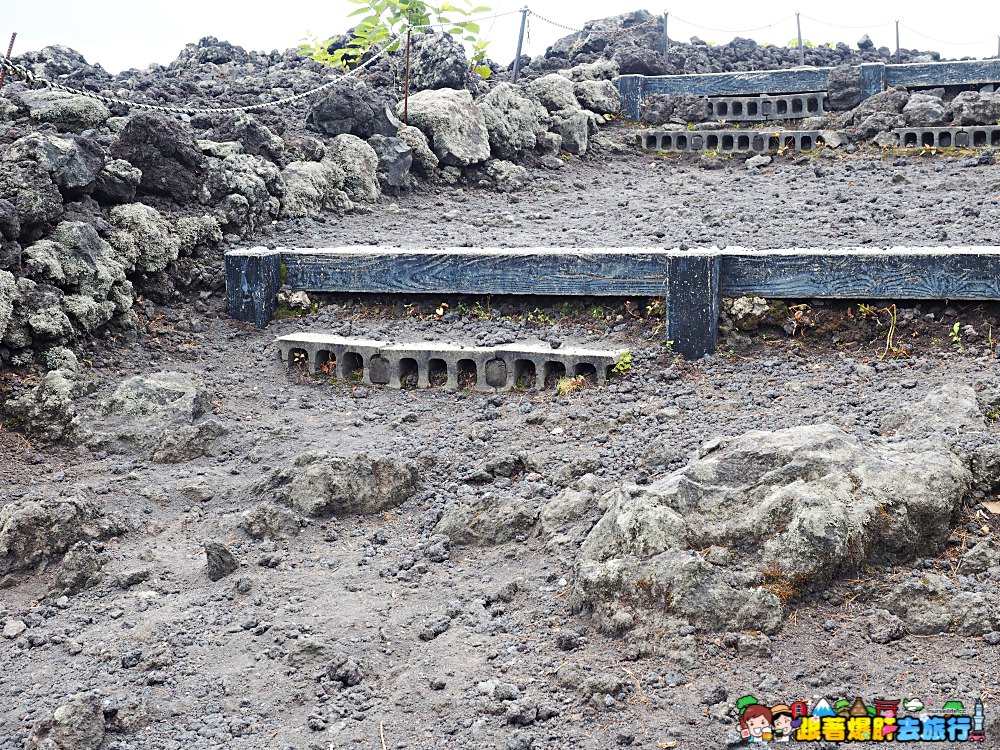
101 207
756 521
638 48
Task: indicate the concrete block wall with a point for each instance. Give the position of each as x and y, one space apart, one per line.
449 366
766 107
729 141
968 136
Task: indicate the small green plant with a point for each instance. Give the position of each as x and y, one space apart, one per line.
955 334
623 365
568 386
383 19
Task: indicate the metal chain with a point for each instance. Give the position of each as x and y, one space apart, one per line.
731 31
613 32
31 79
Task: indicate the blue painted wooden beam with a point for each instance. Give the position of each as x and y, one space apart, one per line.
692 282
961 73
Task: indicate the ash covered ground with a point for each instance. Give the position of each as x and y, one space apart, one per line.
202 547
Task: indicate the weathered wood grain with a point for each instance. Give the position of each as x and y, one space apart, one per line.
963 73
692 303
253 278
796 81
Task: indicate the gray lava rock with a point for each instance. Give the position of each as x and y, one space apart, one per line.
35 197
80 569
573 126
453 123
255 137
882 626
319 484
488 520
555 92
165 150
75 725
513 120
359 163
246 189
974 108
632 60
813 501
36 531
73 162
844 87
68 112
983 556
933 604
311 187
220 561
354 109
506 176
395 157
345 670
425 161
8 295
143 238
117 182
48 409
924 111
599 70
598 96
889 101
269 521
438 61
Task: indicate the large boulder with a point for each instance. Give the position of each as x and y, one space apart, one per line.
68 112
454 124
353 109
165 150
48 410
513 120
312 187
255 137
35 196
75 725
633 60
573 126
245 189
319 484
166 413
438 61
359 163
598 96
889 101
143 238
117 182
425 161
799 507
395 157
973 108
75 258
71 161
926 111
8 295
555 92
844 87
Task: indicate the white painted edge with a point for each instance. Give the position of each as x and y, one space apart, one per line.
373 250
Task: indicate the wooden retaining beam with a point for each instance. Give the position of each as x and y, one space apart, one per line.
875 77
691 282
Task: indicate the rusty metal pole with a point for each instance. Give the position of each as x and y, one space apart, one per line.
10 49
520 43
406 92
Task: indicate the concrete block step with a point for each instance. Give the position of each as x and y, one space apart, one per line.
766 107
966 136
431 364
729 141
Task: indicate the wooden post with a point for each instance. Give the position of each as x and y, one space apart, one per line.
692 302
872 79
253 278
10 49
630 87
520 42
802 52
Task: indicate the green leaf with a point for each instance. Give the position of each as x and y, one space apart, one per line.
484 71
480 9
357 12
471 27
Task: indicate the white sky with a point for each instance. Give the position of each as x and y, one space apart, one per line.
123 34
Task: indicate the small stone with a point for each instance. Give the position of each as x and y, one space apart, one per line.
14 628
221 561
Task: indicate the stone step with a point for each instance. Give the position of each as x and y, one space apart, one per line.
450 366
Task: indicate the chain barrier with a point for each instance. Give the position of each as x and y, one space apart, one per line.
942 41
595 32
732 31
